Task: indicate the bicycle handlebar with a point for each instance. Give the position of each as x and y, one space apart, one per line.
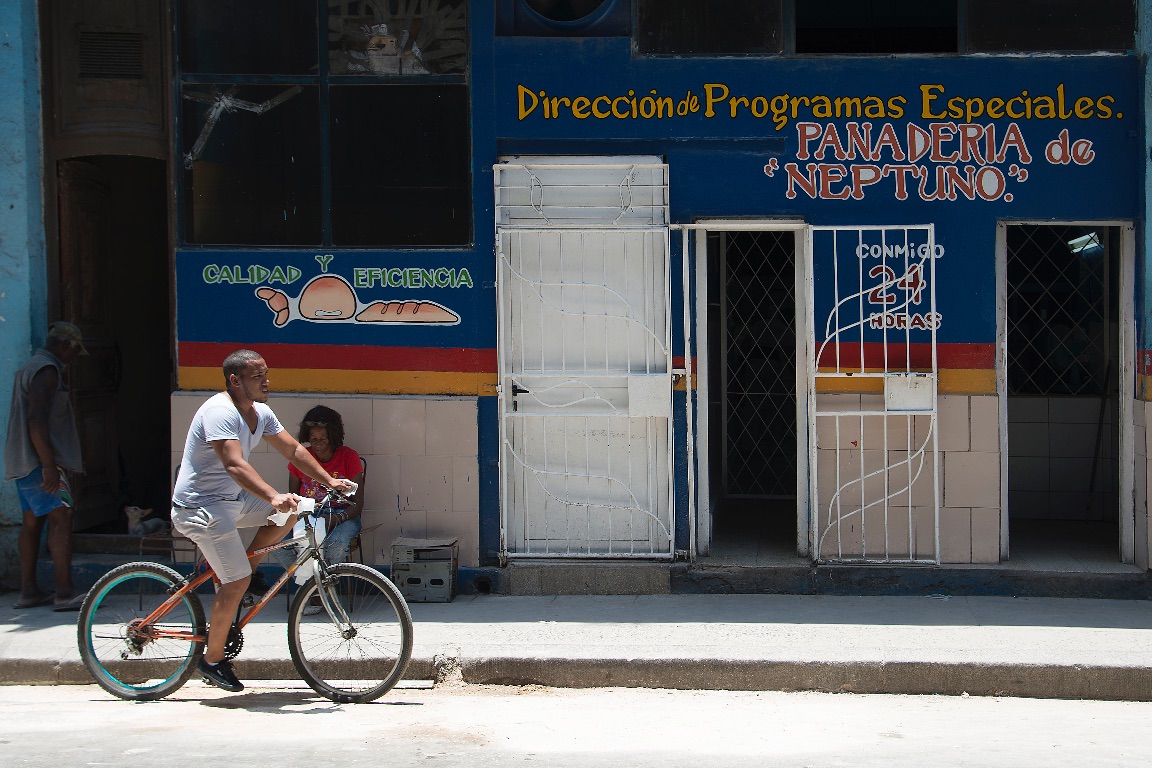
315 507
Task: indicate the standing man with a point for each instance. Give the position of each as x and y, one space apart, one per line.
43 443
217 491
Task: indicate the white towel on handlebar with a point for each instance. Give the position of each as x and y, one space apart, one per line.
304 572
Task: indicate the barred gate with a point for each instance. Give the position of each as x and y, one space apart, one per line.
873 380
585 361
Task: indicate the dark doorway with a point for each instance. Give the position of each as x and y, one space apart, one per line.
752 381
114 282
1063 391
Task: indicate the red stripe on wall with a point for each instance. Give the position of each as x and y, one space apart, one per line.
346 356
947 355
369 358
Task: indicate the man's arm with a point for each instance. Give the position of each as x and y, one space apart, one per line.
41 390
232 457
288 447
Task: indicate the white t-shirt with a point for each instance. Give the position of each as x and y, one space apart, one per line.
202 478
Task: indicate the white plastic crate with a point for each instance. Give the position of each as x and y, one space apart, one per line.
425 569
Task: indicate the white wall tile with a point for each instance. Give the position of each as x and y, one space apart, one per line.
1028 439
955 535
463 527
426 482
398 427
184 407
1074 410
383 483
1028 473
356 413
971 479
1027 409
985 423
952 417
1071 440
985 535
451 427
465 485
1029 504
1072 475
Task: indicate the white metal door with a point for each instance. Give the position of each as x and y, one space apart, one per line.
873 379
585 359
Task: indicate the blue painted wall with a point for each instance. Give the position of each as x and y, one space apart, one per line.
1061 144
22 288
1068 154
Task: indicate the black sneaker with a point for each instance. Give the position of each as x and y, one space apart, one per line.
220 675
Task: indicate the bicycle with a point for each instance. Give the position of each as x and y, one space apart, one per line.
142 629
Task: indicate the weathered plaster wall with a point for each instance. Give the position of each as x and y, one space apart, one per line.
22 287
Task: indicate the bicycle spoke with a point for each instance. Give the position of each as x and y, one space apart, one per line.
132 661
359 661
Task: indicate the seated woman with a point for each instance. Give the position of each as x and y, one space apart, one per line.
322 430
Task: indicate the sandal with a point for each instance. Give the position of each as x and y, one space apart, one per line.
69 605
43 600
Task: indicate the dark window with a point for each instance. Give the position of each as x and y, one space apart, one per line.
715 28
256 179
760 27
396 38
564 10
248 37
400 181
876 26
564 18
1051 25
358 137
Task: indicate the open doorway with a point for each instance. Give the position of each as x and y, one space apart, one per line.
114 282
1066 395
752 399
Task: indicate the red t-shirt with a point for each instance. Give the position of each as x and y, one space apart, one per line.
344 463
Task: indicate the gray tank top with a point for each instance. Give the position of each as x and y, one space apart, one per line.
20 456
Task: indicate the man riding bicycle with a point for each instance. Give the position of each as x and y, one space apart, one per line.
217 492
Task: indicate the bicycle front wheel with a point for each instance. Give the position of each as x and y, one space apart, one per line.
130 658
363 659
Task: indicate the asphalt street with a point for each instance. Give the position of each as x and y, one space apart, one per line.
284 724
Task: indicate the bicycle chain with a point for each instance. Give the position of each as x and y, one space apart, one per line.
234 644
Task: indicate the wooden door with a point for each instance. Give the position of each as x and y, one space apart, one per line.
86 298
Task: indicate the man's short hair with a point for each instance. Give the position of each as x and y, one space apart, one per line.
238 362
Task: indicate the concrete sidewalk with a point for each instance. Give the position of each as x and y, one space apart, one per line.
1039 647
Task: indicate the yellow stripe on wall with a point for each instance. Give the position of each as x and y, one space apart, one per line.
354 382
953 381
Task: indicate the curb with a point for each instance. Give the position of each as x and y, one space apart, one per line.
915 678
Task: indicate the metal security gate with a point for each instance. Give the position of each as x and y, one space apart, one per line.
873 379
585 358
758 362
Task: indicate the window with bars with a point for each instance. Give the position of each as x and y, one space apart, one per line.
324 122
1062 310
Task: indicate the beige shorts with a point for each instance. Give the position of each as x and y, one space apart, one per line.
213 528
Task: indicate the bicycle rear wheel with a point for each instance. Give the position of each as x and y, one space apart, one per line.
360 661
122 653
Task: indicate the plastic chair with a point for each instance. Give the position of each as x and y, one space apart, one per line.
357 546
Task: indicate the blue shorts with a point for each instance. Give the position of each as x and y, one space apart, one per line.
33 497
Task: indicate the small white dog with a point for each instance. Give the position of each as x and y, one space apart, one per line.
138 526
